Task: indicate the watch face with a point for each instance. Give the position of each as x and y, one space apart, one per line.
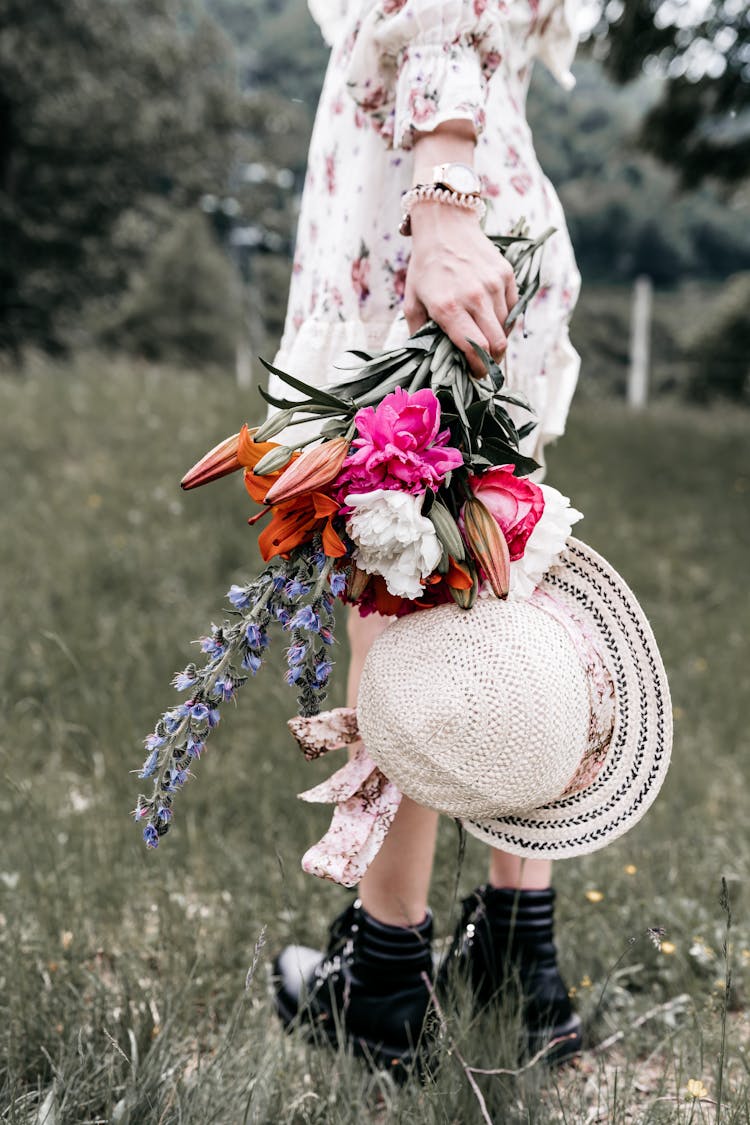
460 177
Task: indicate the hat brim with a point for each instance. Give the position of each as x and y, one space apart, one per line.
639 751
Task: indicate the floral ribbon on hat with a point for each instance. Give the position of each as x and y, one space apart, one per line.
366 801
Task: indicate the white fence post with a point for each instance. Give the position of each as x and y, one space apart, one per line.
640 343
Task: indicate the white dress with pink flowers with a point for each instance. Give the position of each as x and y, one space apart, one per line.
397 66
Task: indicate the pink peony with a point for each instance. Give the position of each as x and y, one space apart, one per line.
399 446
515 502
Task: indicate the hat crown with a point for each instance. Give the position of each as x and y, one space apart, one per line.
476 713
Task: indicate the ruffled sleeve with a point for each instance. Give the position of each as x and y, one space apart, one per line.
559 41
417 63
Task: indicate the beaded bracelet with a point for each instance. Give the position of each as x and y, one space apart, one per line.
440 195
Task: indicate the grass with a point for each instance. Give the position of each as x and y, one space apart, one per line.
122 972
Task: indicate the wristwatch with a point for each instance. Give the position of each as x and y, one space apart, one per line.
460 178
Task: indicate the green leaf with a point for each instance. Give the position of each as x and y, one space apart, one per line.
315 393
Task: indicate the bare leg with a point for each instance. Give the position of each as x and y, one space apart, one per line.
512 871
396 885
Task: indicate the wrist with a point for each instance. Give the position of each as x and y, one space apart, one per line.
450 142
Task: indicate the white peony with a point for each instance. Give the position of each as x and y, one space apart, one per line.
393 539
545 544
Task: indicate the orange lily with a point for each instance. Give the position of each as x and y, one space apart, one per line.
315 468
488 545
292 521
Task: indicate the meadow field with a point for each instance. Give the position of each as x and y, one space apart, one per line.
134 984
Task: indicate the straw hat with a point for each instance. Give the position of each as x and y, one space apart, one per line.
544 725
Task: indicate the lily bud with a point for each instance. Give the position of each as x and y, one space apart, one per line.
311 471
487 544
447 531
275 424
219 462
357 583
272 461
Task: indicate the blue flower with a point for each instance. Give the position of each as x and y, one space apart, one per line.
195 747
295 654
225 688
279 582
150 836
172 719
183 681
326 635
212 646
327 601
256 637
141 811
150 764
252 661
323 671
198 712
318 560
283 616
213 717
174 780
239 596
153 742
164 813
306 618
295 589
338 582
294 674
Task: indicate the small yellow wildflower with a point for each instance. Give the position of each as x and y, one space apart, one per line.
586 981
696 1089
594 896
720 985
746 954
572 992
668 947
66 939
630 869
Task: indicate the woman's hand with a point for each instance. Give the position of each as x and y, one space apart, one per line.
459 279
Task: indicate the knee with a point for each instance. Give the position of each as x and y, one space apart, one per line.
363 631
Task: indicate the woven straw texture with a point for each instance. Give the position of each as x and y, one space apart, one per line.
484 715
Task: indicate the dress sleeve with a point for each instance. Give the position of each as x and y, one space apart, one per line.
417 63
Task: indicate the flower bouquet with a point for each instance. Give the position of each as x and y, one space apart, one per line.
415 494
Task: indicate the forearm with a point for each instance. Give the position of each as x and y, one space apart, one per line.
451 142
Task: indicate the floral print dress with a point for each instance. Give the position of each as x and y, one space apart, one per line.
397 66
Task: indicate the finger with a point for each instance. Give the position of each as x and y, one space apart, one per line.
511 294
490 319
415 313
461 327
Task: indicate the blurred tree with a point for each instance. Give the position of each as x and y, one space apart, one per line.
186 305
701 122
112 114
626 212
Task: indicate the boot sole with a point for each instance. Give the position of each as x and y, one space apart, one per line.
570 1035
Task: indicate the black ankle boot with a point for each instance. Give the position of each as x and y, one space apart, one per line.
367 989
504 944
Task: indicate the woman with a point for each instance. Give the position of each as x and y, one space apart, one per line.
431 92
